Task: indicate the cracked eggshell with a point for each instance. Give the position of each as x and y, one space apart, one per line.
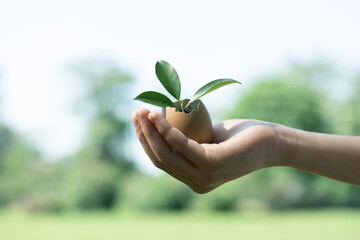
195 125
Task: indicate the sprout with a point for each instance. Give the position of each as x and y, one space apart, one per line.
169 78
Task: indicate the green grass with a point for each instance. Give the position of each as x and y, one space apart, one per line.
329 224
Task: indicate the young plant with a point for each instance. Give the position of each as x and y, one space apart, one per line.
169 78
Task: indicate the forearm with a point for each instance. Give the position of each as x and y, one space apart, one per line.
333 156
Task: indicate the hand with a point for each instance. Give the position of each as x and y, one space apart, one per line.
239 147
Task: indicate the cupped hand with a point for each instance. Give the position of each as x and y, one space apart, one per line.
239 147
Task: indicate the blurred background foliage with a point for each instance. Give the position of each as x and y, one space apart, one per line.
102 175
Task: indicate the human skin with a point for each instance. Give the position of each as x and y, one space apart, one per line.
243 146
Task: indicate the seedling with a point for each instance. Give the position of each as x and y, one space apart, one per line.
169 78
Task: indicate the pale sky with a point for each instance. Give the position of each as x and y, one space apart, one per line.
204 40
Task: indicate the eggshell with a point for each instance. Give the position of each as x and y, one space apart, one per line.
195 125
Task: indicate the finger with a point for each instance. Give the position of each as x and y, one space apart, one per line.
163 151
219 132
189 148
143 141
193 185
225 130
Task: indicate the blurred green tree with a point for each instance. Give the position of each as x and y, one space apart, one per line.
96 173
105 103
353 107
222 199
91 185
19 167
287 98
157 193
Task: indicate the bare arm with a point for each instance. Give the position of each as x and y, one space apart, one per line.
332 156
243 146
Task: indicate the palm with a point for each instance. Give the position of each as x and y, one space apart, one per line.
232 130
239 147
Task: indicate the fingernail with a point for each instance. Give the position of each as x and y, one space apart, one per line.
151 118
135 120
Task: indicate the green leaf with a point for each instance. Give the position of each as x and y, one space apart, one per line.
155 98
211 86
168 77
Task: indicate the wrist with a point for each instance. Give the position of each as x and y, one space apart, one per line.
288 142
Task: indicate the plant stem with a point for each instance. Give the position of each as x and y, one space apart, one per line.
182 106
